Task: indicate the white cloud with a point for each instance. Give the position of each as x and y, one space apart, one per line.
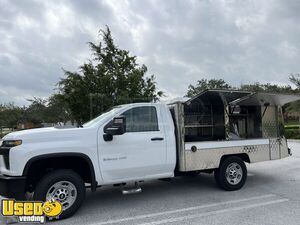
24 22
288 50
180 41
60 19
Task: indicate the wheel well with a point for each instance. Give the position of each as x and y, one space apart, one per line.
243 156
39 166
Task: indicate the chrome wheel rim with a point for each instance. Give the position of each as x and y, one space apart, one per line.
63 191
234 173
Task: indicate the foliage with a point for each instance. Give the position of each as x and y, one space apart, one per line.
272 88
292 133
36 112
51 110
205 84
110 78
10 115
57 109
295 79
293 107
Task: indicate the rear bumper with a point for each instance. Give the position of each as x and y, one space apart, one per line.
12 187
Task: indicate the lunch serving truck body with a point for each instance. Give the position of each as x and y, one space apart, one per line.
216 132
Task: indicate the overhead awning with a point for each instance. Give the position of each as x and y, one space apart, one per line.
226 95
237 97
260 98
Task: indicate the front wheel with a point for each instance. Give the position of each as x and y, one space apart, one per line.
65 186
232 174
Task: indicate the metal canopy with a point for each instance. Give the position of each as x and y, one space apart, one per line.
234 97
260 98
226 95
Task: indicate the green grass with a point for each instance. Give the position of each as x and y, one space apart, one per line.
295 126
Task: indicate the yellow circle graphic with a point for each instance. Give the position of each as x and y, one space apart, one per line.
52 208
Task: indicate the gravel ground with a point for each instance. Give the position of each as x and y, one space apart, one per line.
271 196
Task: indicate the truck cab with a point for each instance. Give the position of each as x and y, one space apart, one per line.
145 149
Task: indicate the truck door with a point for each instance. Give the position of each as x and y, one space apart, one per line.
140 152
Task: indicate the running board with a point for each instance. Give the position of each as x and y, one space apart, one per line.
135 190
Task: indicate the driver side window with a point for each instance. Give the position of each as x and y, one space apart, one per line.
141 119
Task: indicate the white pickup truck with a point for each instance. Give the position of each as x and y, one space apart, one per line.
216 131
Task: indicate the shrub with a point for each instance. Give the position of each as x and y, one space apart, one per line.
292 133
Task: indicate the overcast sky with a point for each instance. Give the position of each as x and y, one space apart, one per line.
179 41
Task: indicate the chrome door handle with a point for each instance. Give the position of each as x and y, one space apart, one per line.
157 139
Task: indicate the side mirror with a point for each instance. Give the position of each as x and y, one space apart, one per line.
116 127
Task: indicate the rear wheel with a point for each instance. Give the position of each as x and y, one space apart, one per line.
65 186
232 174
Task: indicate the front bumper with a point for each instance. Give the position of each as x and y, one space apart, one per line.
12 187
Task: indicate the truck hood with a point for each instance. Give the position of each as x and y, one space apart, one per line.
45 134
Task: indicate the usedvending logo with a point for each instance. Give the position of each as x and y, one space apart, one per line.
31 211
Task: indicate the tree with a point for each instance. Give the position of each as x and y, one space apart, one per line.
204 84
295 79
36 111
50 110
57 109
295 106
272 88
111 77
10 115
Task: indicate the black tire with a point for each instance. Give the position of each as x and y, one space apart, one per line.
61 175
220 174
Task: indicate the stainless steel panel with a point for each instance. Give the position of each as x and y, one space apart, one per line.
226 121
269 122
274 148
210 158
280 122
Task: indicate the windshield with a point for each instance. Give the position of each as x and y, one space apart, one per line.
103 115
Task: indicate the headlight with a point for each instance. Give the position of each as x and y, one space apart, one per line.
11 143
